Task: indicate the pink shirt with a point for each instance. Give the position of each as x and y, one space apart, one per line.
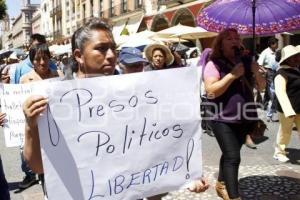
211 70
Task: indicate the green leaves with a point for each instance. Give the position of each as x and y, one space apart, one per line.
3 9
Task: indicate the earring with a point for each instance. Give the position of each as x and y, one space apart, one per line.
81 67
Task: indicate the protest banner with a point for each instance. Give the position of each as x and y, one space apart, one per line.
12 98
122 137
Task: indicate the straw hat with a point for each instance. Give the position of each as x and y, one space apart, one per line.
149 50
288 51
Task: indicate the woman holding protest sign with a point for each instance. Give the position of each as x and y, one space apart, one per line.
228 83
94 53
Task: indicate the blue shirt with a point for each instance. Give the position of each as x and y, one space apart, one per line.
26 66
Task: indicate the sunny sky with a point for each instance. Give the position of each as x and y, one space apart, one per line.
14 6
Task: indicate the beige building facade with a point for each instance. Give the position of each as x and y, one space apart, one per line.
19 34
46 21
58 19
36 23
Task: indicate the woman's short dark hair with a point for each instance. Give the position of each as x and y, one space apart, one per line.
161 50
39 48
272 41
40 38
83 34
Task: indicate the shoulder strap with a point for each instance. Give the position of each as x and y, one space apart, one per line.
201 79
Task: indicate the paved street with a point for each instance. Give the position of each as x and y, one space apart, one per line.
261 177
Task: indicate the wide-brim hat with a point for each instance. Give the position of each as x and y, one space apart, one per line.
149 51
288 51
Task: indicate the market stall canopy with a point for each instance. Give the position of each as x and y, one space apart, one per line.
138 40
185 32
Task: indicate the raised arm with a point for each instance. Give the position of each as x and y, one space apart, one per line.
216 86
32 108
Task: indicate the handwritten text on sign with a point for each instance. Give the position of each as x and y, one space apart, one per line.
12 98
122 137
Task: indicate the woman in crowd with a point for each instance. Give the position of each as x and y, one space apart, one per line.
228 83
39 56
94 51
159 56
287 90
94 54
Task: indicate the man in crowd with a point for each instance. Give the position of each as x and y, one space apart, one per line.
131 60
267 60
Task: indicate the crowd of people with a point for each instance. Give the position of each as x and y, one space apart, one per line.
230 77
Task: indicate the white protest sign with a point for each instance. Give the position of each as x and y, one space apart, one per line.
12 99
122 137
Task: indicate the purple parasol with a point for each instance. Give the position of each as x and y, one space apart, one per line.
269 16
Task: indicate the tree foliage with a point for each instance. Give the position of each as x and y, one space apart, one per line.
3 9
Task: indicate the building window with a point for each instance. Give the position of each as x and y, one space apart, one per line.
92 8
27 18
101 14
112 9
68 15
138 4
83 11
73 7
124 6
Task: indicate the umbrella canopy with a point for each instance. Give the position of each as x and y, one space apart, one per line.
197 33
181 48
138 40
6 52
269 16
17 51
185 32
167 39
256 17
